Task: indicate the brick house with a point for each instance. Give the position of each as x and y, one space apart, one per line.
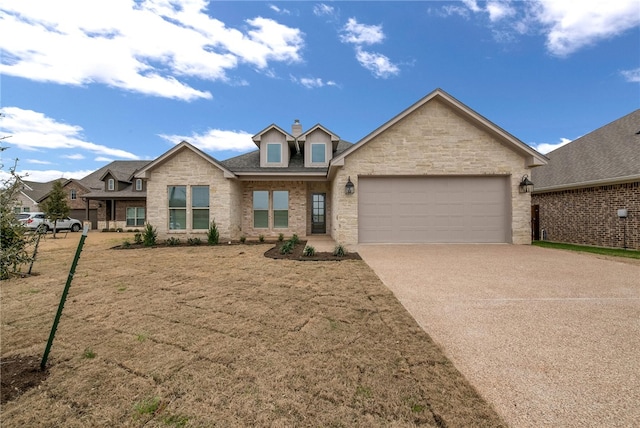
436 172
579 193
33 193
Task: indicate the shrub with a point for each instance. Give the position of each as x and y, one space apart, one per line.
194 241
287 247
105 229
173 241
339 251
309 251
281 237
213 236
126 244
119 229
88 353
243 239
137 238
261 238
295 239
149 235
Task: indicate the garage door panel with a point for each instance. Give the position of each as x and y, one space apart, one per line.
434 209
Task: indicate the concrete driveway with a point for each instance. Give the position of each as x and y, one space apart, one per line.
549 337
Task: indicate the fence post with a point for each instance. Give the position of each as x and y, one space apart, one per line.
63 298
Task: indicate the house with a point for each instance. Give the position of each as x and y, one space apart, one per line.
33 193
119 198
436 172
589 192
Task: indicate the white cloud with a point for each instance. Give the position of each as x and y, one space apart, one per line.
498 10
46 175
361 34
76 156
631 75
32 130
103 159
568 25
312 82
216 140
545 148
377 63
323 10
145 46
573 25
276 9
38 162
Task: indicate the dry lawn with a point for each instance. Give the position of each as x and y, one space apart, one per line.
222 336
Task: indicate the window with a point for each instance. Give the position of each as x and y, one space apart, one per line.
280 208
135 216
274 153
177 207
139 184
260 209
200 207
73 194
111 184
318 153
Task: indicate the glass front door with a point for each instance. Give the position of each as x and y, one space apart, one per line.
318 217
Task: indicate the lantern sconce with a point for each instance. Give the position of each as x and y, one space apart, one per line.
349 188
526 186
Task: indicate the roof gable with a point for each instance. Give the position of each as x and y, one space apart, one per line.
258 137
531 156
607 155
143 173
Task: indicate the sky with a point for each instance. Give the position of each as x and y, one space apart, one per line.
84 83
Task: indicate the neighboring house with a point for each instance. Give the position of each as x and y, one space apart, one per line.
32 193
579 193
436 172
120 198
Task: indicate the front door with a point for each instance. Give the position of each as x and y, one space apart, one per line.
318 218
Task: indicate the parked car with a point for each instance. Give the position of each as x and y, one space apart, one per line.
38 221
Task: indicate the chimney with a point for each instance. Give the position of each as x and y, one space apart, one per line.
296 128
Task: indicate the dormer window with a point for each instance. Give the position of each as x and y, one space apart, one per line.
274 153
318 153
139 184
111 184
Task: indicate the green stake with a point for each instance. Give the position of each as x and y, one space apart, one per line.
64 297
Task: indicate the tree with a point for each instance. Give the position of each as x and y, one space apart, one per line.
55 207
13 237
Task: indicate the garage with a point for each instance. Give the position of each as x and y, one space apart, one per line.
444 209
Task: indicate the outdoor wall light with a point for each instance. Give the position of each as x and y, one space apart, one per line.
349 188
526 186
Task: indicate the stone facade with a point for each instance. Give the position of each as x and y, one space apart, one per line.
297 208
187 168
432 140
589 216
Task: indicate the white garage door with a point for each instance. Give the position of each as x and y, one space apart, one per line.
434 209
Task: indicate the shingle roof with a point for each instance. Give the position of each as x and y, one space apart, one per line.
37 191
122 171
250 162
608 154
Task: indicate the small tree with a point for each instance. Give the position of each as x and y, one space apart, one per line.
13 237
56 207
213 236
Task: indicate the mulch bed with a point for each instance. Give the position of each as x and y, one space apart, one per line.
272 253
19 374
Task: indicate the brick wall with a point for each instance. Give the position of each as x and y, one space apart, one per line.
433 140
589 216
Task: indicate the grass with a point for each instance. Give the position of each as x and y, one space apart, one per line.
239 340
614 252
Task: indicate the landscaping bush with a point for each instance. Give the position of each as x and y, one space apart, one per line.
149 235
339 251
309 251
213 236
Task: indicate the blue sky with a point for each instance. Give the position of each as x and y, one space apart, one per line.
84 83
